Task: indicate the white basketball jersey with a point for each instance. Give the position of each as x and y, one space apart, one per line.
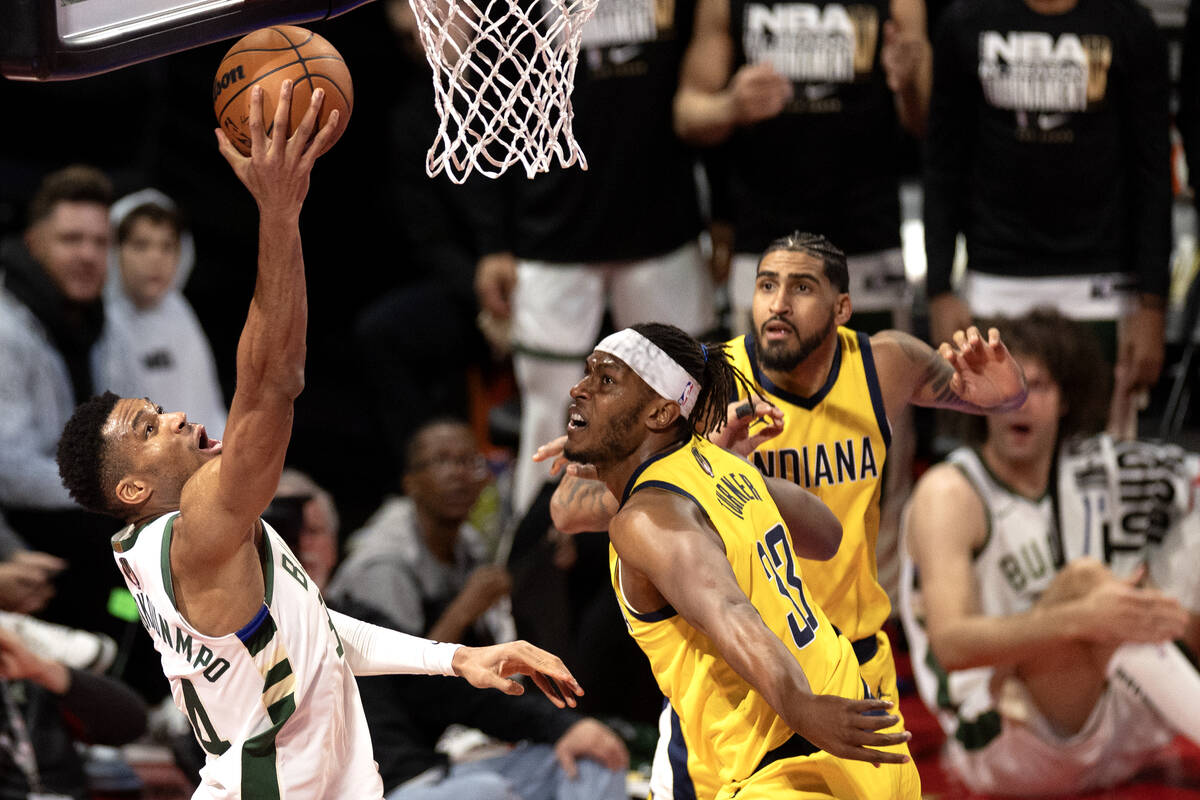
274 705
1012 568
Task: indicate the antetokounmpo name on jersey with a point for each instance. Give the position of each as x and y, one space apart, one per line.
820 464
180 641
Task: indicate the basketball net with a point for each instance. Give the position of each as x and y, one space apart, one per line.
502 80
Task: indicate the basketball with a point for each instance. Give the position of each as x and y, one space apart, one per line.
266 58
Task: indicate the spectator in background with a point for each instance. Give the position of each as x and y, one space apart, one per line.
559 754
809 99
1048 150
418 565
52 332
305 516
56 351
1048 678
39 758
623 235
433 265
168 354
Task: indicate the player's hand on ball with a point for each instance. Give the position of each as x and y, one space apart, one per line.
849 728
490 668
277 170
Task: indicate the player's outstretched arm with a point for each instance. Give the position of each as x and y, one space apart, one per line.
231 493
374 650
664 542
491 667
974 375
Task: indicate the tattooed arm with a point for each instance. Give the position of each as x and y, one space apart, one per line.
974 375
582 502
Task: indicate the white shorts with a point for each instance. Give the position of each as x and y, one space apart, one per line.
1029 758
1082 297
558 308
877 281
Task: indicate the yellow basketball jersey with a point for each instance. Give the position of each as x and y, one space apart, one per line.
834 444
719 723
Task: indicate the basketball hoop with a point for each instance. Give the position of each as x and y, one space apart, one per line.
502 80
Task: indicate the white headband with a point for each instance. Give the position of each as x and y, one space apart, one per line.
660 372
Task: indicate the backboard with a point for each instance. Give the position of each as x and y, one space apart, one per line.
63 39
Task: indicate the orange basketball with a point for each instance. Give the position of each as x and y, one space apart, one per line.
267 57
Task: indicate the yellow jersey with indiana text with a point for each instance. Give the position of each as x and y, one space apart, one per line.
722 729
834 444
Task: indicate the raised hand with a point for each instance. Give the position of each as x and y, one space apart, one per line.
553 449
849 728
277 170
490 668
985 373
740 418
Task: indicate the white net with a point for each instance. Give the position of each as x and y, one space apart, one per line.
502 78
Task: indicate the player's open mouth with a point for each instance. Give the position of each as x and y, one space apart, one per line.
1020 428
206 445
777 329
576 421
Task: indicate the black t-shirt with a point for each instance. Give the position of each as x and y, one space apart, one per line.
1048 142
828 163
637 198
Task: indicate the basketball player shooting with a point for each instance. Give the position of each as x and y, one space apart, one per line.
264 672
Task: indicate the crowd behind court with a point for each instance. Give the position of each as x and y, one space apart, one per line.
1046 141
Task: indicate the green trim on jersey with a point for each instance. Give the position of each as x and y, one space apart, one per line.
260 776
124 539
168 584
974 734
258 641
268 566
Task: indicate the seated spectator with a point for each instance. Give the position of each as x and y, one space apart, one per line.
563 755
1048 675
418 565
168 355
304 515
52 343
40 695
56 351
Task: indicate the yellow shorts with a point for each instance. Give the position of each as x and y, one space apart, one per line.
880 674
823 776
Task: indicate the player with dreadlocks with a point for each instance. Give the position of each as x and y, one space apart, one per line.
763 690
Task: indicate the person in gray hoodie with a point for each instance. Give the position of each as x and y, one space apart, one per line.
169 357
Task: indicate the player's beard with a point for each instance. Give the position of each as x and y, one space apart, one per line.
615 443
784 357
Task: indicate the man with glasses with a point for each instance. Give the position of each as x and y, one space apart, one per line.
418 565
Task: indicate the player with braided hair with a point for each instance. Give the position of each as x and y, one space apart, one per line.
763 690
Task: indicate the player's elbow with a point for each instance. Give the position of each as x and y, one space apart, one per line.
824 539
